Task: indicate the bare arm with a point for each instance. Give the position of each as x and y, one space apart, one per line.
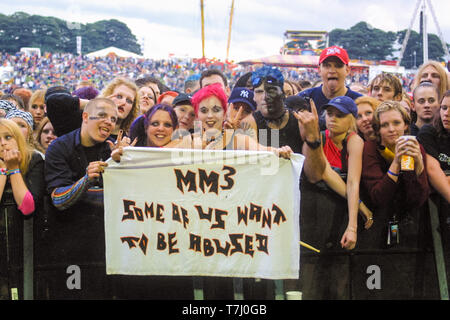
315 160
355 148
244 142
437 177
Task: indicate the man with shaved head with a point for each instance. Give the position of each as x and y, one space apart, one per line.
73 166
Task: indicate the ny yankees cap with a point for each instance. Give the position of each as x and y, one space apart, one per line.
244 95
334 51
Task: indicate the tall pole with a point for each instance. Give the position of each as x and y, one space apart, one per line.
203 28
444 44
405 40
229 29
425 34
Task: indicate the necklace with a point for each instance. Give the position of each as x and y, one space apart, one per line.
212 142
275 123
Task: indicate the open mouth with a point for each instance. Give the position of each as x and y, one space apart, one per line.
210 124
105 132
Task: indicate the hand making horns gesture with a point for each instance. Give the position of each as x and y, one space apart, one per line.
308 123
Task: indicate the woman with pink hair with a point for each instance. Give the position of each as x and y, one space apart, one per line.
210 105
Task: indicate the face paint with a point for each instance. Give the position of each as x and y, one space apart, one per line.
274 107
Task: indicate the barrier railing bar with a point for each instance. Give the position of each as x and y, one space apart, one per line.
198 288
28 259
238 289
279 289
438 251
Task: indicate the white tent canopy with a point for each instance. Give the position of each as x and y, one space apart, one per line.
118 52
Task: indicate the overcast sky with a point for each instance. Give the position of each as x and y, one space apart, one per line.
174 26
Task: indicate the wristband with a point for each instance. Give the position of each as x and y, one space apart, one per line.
3 172
394 174
12 171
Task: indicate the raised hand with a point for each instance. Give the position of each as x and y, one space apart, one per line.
235 122
117 151
12 159
121 142
308 123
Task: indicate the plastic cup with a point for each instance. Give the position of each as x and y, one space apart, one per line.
293 295
407 162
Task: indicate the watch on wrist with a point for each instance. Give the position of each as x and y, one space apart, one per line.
314 144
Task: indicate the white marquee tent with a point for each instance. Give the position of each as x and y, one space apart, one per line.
113 50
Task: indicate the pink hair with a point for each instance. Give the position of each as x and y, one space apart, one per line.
212 90
165 94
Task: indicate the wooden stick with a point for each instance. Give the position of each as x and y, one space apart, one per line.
308 246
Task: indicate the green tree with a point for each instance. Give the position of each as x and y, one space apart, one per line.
364 42
413 55
55 35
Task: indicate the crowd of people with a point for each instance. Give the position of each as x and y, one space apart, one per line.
357 141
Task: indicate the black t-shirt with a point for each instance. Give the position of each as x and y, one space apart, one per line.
93 153
414 129
320 100
437 147
288 136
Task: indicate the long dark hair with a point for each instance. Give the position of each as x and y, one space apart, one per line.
437 121
139 126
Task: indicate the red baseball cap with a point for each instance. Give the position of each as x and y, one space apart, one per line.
334 51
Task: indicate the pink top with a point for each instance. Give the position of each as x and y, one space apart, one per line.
27 206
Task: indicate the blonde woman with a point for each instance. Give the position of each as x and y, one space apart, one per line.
65 111
366 107
22 188
36 106
25 122
434 72
343 149
124 93
381 177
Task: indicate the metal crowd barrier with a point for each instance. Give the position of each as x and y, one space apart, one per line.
417 268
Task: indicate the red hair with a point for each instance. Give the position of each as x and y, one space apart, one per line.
212 90
167 93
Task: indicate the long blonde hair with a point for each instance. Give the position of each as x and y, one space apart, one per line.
442 75
37 95
109 89
25 149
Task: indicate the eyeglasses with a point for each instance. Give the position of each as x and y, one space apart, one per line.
103 117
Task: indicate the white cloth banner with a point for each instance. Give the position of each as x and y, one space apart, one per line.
202 213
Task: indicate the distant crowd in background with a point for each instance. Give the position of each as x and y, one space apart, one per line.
34 72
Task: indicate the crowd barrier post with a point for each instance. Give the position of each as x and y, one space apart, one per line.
198 288
238 289
28 257
437 244
279 289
